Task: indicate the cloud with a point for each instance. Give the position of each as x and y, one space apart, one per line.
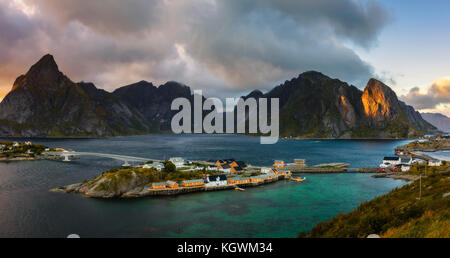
220 46
438 94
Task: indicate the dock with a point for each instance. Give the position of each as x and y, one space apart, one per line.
148 191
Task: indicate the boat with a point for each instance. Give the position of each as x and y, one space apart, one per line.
299 179
239 189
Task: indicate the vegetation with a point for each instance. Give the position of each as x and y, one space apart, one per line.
169 166
431 145
121 180
423 169
399 213
11 150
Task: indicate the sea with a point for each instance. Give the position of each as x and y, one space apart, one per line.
278 210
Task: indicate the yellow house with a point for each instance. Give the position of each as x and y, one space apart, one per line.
239 180
161 185
172 184
196 182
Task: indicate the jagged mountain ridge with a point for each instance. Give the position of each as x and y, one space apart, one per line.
154 102
315 105
45 103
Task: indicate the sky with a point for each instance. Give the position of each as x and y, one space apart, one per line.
228 48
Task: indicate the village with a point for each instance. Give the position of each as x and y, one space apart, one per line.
17 151
223 174
177 175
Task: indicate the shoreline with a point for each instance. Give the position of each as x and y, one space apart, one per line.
168 133
397 176
148 192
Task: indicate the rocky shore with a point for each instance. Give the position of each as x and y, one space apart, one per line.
138 183
405 177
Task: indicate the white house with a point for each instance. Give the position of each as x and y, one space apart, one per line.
15 144
28 143
219 180
266 170
405 168
392 160
213 168
435 163
157 166
225 168
177 161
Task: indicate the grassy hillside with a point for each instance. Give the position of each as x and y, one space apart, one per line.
397 214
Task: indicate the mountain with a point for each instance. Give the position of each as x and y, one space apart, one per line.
154 102
46 103
314 105
441 121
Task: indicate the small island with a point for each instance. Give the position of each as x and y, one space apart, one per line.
431 144
154 180
16 151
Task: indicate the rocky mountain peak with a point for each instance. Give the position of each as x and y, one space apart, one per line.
46 69
380 102
44 73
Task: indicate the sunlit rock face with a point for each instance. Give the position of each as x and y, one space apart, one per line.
315 105
380 102
347 111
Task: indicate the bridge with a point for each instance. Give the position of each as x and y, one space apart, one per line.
125 159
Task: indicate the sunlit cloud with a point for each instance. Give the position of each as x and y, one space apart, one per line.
435 98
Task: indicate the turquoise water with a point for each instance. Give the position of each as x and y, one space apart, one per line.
282 209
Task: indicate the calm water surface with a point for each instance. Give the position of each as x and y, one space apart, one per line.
282 209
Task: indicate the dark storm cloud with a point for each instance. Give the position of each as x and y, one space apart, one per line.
111 16
220 46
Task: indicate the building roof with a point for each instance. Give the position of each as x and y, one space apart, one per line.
238 178
405 160
159 184
171 182
193 181
212 166
238 169
241 163
391 158
225 166
214 178
260 176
